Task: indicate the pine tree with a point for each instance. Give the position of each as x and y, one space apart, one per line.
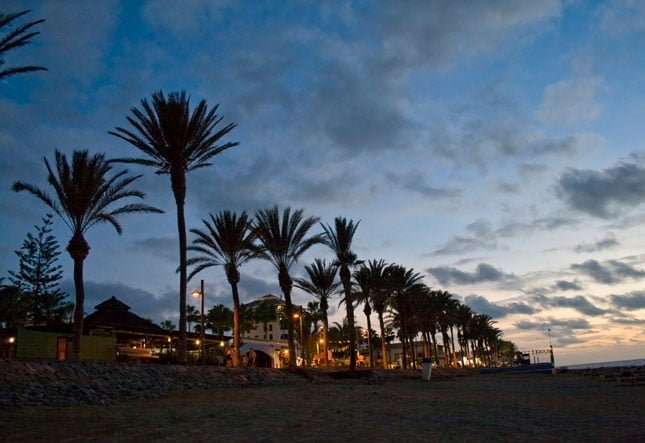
38 276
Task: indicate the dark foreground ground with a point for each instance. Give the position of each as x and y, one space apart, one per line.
562 407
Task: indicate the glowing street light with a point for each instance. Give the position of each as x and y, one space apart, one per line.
201 342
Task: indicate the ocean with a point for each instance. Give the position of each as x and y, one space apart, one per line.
608 364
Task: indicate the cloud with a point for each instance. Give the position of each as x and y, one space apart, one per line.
481 235
166 247
630 301
606 243
481 305
564 285
604 193
439 33
579 303
613 272
620 17
416 182
570 101
563 331
483 273
156 307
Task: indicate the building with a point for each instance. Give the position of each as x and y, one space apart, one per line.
270 337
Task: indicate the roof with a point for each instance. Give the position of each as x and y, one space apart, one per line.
115 314
269 298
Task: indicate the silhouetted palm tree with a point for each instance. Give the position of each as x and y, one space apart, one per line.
283 240
264 313
363 279
219 319
84 193
402 282
228 242
192 315
175 142
15 39
320 284
167 325
339 239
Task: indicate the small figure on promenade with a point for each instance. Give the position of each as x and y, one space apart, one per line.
252 356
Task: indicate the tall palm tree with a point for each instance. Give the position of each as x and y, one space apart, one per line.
339 239
228 241
379 298
320 284
368 285
402 282
84 195
15 39
175 141
283 241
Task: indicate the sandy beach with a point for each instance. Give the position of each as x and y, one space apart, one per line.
562 407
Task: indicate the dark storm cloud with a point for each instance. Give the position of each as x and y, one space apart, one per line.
156 307
604 193
481 305
613 271
483 273
606 243
165 247
564 285
579 303
630 301
253 287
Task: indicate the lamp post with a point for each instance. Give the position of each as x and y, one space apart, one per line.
202 341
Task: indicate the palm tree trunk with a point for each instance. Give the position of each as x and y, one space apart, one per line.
454 351
285 284
345 278
325 346
236 326
433 337
368 313
78 249
383 342
178 181
404 357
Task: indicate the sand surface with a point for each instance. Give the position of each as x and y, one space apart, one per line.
478 408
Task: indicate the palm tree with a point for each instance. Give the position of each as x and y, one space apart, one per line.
167 325
228 242
264 313
219 319
15 39
402 282
84 194
320 284
365 281
379 298
175 142
283 241
339 239
192 315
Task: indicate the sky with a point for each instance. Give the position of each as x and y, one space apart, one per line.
496 147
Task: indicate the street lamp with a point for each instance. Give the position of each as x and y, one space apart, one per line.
298 315
202 341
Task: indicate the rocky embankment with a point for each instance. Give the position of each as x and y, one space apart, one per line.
75 383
